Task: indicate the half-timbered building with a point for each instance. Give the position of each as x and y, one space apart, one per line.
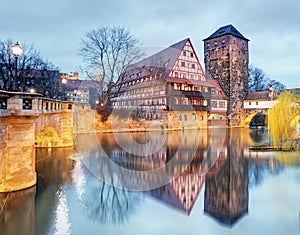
169 85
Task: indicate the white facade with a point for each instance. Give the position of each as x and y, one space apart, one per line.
259 104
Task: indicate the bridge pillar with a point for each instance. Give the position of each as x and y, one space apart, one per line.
17 159
67 125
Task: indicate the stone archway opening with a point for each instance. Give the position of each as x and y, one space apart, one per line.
255 119
48 138
259 120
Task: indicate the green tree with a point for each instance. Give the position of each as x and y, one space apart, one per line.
280 117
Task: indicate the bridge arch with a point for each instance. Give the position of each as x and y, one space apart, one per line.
48 137
250 117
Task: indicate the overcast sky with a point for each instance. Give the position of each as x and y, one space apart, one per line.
55 27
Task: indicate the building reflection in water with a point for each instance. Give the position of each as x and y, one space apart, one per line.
30 211
226 188
187 161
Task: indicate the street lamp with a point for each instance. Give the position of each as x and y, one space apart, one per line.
17 50
64 82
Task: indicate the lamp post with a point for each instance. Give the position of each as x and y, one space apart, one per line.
64 82
17 50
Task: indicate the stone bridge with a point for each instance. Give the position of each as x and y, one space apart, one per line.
254 106
28 121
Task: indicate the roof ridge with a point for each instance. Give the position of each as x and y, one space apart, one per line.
224 30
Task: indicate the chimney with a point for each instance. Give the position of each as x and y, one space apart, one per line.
76 75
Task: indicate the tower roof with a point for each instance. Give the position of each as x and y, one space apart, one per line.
228 29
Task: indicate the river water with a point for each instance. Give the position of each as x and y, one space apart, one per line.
176 182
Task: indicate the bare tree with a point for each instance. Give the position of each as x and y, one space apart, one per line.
108 51
259 81
28 62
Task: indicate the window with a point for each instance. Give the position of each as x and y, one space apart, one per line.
192 55
194 116
184 53
185 101
176 86
193 66
183 64
214 103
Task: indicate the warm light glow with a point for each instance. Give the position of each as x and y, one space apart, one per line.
17 50
32 90
64 81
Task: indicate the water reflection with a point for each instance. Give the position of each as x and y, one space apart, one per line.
102 183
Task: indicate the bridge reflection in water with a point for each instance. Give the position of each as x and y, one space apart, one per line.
109 183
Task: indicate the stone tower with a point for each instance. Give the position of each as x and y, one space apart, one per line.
226 60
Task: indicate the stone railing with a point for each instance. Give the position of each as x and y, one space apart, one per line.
30 104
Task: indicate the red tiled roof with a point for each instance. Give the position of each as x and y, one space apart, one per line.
161 63
261 95
73 84
215 83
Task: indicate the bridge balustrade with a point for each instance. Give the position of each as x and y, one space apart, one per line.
28 104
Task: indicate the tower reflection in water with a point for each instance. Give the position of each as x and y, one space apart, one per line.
215 161
213 157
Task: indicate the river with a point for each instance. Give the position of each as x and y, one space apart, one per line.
166 182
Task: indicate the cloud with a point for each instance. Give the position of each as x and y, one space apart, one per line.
55 27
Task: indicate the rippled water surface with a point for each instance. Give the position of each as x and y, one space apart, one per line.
179 182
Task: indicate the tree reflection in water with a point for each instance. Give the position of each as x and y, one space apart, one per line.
105 203
217 161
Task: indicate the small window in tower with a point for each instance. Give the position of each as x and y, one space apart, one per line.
223 41
192 55
184 53
207 45
183 64
216 44
193 66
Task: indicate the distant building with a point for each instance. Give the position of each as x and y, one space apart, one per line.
169 85
45 82
226 60
80 91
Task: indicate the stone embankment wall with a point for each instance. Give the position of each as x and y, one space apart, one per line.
176 120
